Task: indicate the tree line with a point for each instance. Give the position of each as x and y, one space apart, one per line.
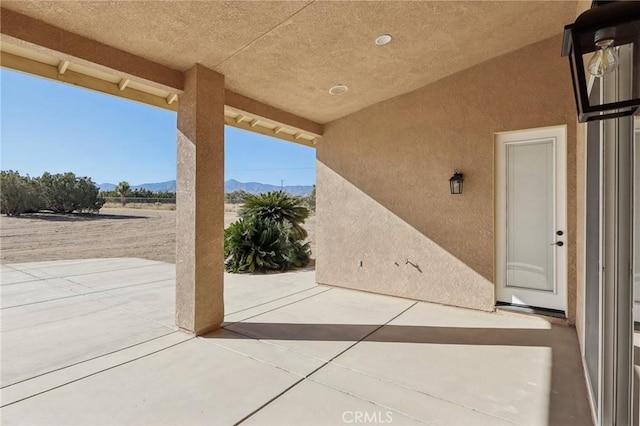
239 197
60 193
68 193
136 193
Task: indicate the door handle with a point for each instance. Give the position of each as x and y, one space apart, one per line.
558 243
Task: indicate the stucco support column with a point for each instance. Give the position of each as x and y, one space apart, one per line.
200 202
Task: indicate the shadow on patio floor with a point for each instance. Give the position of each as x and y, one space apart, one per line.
568 403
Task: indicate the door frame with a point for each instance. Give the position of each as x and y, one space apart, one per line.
559 133
614 404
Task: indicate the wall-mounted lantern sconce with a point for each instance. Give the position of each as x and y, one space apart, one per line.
596 38
455 182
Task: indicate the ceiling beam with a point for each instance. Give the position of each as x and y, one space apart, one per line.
52 40
256 108
39 36
246 125
51 72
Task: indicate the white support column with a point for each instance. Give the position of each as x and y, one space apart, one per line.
200 202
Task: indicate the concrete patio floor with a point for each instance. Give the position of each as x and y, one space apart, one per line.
94 342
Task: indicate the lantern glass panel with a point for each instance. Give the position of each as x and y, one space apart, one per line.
626 48
625 55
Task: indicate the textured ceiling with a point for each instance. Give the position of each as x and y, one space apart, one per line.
288 54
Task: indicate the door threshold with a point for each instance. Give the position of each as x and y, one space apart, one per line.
534 310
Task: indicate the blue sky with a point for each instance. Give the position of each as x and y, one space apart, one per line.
48 126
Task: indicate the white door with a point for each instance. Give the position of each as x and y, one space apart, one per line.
531 231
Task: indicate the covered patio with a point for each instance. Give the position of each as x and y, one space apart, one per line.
104 349
399 318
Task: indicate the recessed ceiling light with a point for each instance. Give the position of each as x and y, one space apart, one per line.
383 39
338 89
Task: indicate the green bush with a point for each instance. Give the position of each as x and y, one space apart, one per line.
60 193
254 244
19 194
268 236
280 207
235 197
66 193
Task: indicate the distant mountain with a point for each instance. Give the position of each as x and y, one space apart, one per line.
106 186
257 188
168 186
229 186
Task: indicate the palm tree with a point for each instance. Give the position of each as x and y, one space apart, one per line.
311 199
279 207
123 189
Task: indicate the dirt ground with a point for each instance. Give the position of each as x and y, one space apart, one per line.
115 232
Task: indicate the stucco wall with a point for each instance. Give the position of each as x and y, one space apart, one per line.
581 136
383 194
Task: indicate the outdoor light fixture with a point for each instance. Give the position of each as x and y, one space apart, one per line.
383 39
597 38
338 89
455 182
606 58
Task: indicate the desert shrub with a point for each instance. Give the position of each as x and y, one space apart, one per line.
66 193
280 207
254 244
19 194
269 234
298 254
235 197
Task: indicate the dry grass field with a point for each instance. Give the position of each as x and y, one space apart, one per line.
115 232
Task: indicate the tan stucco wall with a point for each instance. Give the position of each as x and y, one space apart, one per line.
383 192
581 137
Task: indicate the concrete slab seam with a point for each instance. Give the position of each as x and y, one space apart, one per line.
37 278
323 365
402 385
49 276
275 345
90 359
115 306
80 294
370 401
275 309
248 416
25 282
270 301
251 357
74 262
97 372
407 388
